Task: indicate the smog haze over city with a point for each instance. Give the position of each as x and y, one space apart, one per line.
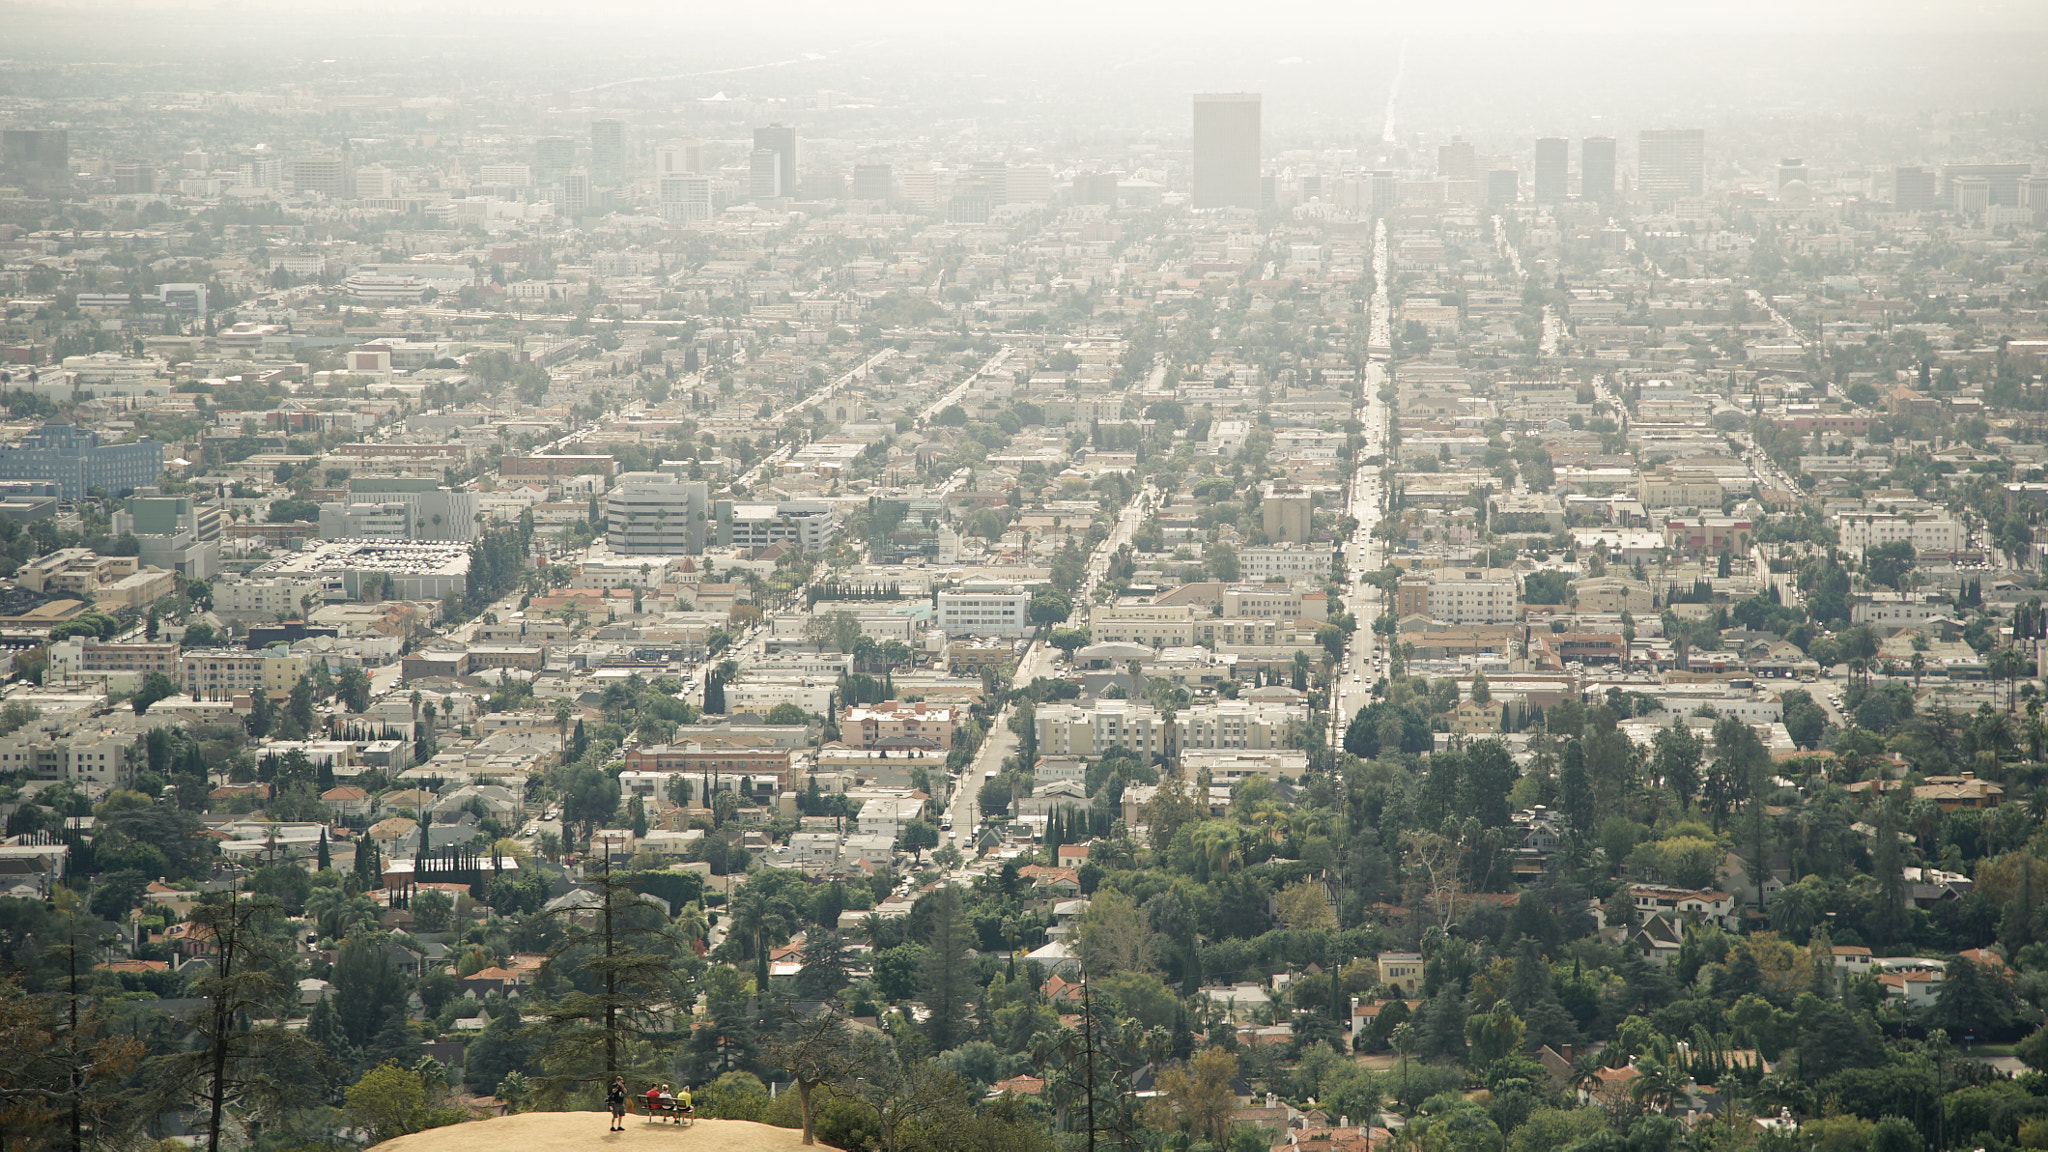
1074 577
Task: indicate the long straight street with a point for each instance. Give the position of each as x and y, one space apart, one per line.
1362 553
1037 661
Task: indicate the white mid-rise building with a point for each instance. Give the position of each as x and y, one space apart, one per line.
654 514
1233 724
997 610
1935 533
805 524
1307 562
886 815
1091 730
264 597
1458 596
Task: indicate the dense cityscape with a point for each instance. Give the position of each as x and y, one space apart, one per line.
895 606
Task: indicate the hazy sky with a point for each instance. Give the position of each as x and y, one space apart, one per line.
1473 65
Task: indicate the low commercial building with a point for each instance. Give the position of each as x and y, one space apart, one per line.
971 655
1152 625
75 656
516 468
805 524
714 767
377 569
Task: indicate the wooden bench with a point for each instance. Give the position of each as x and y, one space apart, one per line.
660 1109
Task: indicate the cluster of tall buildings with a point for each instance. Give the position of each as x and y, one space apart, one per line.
1226 158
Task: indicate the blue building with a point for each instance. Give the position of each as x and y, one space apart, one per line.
75 461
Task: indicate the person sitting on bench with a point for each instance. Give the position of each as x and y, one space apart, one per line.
683 1105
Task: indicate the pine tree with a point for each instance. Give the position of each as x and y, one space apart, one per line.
627 948
948 978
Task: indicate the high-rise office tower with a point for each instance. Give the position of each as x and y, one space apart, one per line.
1458 160
1912 188
321 175
971 205
1226 150
607 149
992 178
921 187
678 157
1596 168
1029 184
38 160
133 177
1094 187
1503 187
1385 190
764 174
508 175
259 174
684 196
1671 162
553 156
872 182
576 193
1553 169
375 182
1789 169
781 140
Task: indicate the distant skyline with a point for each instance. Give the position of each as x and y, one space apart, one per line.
1500 74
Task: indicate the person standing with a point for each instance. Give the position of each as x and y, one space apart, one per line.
616 1097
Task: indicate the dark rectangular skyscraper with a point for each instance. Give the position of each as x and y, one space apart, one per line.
553 156
781 140
1912 189
36 159
1553 169
1503 187
1596 168
1226 150
607 150
872 182
1671 162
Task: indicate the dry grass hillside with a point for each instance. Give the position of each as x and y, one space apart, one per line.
573 1132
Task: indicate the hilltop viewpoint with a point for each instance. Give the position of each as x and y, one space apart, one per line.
573 1132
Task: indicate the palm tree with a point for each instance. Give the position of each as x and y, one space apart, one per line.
1585 1075
756 917
1656 1085
1919 666
562 714
695 925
